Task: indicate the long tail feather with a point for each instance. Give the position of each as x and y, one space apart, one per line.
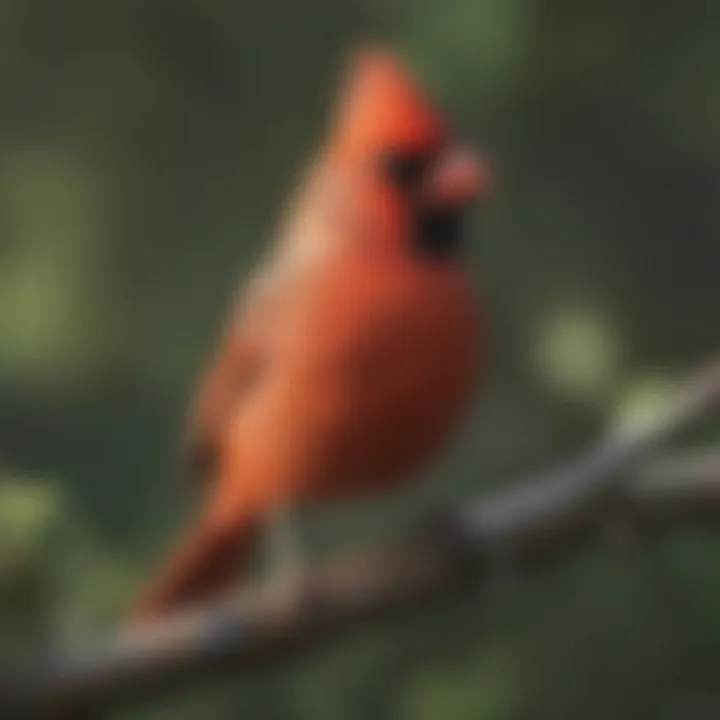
204 567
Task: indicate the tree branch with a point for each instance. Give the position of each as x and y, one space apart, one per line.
538 521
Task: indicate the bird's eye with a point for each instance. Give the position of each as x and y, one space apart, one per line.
405 170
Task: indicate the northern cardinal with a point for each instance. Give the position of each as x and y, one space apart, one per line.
358 343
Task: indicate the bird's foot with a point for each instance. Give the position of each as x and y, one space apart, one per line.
300 587
443 527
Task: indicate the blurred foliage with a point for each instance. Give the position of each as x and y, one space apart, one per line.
145 149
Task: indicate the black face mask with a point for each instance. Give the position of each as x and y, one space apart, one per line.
438 231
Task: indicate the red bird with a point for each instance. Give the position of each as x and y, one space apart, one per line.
358 343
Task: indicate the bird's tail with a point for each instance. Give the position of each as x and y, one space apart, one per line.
206 565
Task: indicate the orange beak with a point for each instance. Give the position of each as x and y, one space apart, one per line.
458 178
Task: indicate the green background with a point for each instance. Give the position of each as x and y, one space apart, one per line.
145 151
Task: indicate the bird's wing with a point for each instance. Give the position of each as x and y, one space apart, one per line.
236 368
257 319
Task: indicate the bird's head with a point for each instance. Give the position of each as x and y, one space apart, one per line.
388 132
